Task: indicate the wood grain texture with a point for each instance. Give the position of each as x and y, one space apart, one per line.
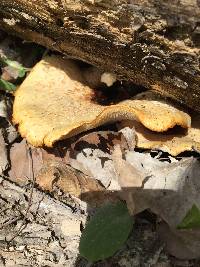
154 43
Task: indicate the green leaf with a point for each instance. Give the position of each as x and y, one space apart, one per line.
191 220
7 86
17 66
106 232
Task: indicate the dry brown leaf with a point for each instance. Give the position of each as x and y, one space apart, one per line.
174 142
182 244
53 103
128 178
66 178
168 190
24 165
92 154
53 174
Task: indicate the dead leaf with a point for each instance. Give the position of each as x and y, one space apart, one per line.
166 183
92 155
63 106
3 154
55 175
21 162
182 244
10 132
7 133
9 74
66 178
175 142
127 175
168 190
21 171
52 173
130 136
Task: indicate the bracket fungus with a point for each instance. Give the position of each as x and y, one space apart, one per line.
54 103
174 142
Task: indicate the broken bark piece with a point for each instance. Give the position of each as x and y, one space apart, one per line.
53 103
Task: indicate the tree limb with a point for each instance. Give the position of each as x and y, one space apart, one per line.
153 43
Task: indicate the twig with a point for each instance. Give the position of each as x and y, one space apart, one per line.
10 222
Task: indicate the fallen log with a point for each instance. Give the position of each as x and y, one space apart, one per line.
152 43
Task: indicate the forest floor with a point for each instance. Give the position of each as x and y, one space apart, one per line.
47 195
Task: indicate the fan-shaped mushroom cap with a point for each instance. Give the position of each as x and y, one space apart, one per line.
54 103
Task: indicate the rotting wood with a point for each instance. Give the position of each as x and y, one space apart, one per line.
153 43
50 235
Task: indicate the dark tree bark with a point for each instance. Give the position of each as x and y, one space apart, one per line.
153 43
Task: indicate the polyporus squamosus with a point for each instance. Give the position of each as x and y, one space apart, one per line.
54 103
173 143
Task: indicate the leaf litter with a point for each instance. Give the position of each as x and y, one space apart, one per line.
106 163
8 133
